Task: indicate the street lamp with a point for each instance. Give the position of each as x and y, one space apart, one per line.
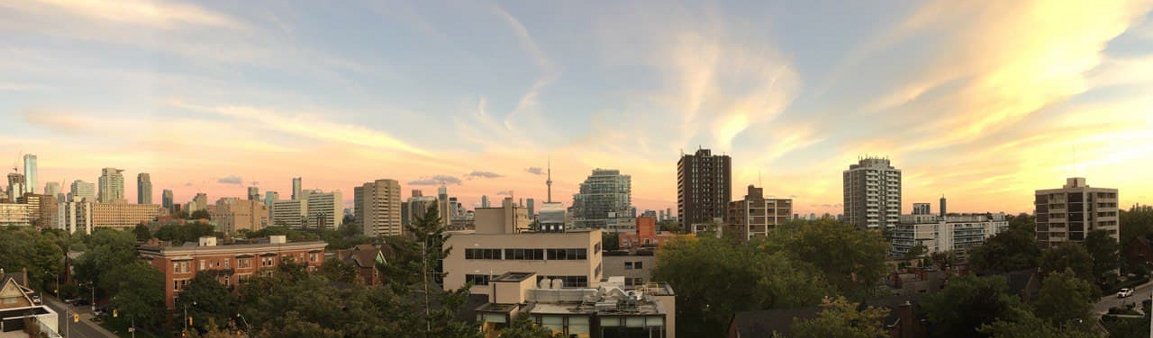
247 328
187 319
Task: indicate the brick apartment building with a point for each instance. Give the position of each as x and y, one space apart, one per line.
236 262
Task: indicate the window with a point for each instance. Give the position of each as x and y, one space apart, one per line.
567 254
482 254
524 254
476 279
267 261
638 265
180 267
227 263
202 265
628 265
313 256
569 281
179 284
629 281
244 263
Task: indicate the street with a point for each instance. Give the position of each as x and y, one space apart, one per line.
84 329
1140 293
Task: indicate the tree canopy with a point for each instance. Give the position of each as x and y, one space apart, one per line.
967 303
843 319
1008 251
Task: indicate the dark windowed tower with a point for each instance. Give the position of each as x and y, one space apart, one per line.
704 187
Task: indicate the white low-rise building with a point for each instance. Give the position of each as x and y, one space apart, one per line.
956 233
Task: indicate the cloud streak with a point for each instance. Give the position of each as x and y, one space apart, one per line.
230 180
437 180
482 174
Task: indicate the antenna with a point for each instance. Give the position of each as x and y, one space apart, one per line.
549 182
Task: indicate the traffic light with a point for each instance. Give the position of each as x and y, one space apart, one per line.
115 313
189 320
75 317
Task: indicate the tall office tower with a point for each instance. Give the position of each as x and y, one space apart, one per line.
143 188
166 200
357 205
200 202
52 189
30 174
325 210
111 185
253 193
484 201
704 187
443 206
271 197
415 208
1068 214
380 208
530 204
872 192
82 191
756 216
16 183
603 198
296 188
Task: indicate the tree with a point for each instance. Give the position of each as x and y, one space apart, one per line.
25 248
200 214
207 300
612 241
524 327
843 319
943 259
138 291
338 270
967 303
1068 256
1022 222
429 234
851 259
707 273
143 234
1008 251
1023 324
1136 222
1103 248
1064 300
915 252
107 249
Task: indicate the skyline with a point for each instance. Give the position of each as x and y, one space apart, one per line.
982 103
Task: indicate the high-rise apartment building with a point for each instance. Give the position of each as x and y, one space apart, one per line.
143 188
232 215
52 189
415 208
325 210
443 206
296 181
271 197
756 216
530 204
82 191
603 198
704 187
253 193
1068 214
872 194
166 200
380 208
111 185
289 213
16 184
357 202
484 201
30 174
200 202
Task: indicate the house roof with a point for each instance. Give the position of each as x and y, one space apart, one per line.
764 323
363 255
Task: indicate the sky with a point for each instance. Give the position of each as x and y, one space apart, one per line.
980 101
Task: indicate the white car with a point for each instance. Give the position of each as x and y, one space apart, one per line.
1126 292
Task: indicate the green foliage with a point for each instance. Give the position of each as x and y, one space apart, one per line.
138 292
207 300
843 319
40 253
107 249
338 270
1104 249
1064 299
180 233
200 214
670 226
915 252
1023 324
611 241
851 259
142 232
1022 222
1136 222
1008 251
715 279
524 327
1068 256
967 303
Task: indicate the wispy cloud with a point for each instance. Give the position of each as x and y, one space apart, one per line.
482 174
535 171
156 14
437 180
231 180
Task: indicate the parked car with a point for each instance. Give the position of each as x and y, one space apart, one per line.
36 299
1126 292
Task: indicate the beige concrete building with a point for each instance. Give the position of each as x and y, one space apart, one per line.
123 215
573 258
75 216
509 218
956 233
233 214
379 208
325 210
15 214
610 310
289 213
756 216
1068 214
635 267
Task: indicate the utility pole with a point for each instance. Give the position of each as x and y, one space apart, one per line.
424 275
